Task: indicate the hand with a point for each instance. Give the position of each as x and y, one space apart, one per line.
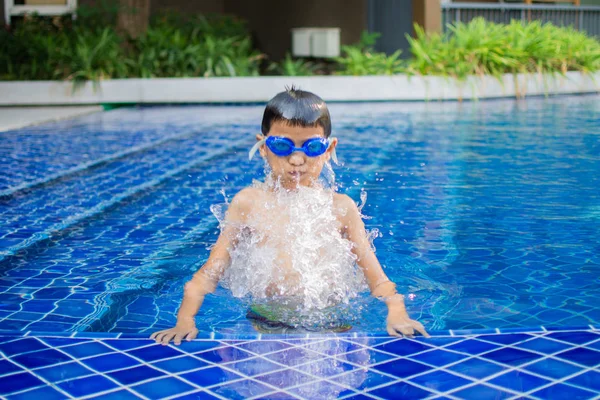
183 330
400 324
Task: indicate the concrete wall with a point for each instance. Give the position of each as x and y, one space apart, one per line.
271 20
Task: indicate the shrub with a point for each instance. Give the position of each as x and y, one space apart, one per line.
362 59
482 47
293 67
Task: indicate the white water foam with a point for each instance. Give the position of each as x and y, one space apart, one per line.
291 257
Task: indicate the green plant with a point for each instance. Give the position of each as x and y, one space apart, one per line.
362 59
485 48
293 67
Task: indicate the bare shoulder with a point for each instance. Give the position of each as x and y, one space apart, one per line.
344 207
246 198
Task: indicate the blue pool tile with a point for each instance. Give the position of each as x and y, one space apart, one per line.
45 393
438 357
371 341
224 355
326 367
87 386
62 341
210 376
473 347
403 347
479 392
277 396
334 346
127 344
476 368
162 388
552 368
562 391
6 367
197 395
440 381
505 339
117 395
294 356
63 372
254 366
595 345
87 349
180 364
196 346
153 353
366 357
109 362
360 397
589 358
41 358
362 379
262 347
511 356
18 382
519 381
543 346
589 380
439 341
21 346
241 390
575 337
134 375
284 379
401 390
402 368
319 390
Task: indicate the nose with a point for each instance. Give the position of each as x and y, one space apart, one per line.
296 158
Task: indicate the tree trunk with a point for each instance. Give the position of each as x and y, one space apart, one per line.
133 17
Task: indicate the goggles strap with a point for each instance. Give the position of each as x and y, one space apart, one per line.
255 148
333 155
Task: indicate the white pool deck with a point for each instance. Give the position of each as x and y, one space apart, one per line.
19 117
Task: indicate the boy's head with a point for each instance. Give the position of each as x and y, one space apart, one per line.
297 108
300 119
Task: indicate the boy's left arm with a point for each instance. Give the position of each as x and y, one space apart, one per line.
398 321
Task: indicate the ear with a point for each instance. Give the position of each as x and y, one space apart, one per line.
333 142
261 149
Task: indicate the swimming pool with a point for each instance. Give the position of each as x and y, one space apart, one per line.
487 212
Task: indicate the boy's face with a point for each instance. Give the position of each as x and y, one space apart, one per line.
297 169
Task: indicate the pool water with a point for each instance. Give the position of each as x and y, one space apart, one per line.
488 212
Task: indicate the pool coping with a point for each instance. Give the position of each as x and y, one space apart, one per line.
314 335
400 87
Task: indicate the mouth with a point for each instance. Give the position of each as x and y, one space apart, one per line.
296 174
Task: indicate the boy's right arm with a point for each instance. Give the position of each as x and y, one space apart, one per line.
206 279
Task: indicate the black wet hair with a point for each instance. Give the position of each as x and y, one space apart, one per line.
297 108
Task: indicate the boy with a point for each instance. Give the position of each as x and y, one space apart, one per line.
296 144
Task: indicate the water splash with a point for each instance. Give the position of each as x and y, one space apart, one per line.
291 257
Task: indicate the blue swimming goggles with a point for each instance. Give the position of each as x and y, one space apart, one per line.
283 147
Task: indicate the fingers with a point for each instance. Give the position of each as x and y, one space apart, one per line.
155 334
164 337
419 327
192 335
178 338
167 338
391 331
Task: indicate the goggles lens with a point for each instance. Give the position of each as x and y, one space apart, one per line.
282 146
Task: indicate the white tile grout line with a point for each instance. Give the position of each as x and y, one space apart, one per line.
315 340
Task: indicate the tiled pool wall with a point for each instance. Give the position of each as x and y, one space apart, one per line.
538 364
